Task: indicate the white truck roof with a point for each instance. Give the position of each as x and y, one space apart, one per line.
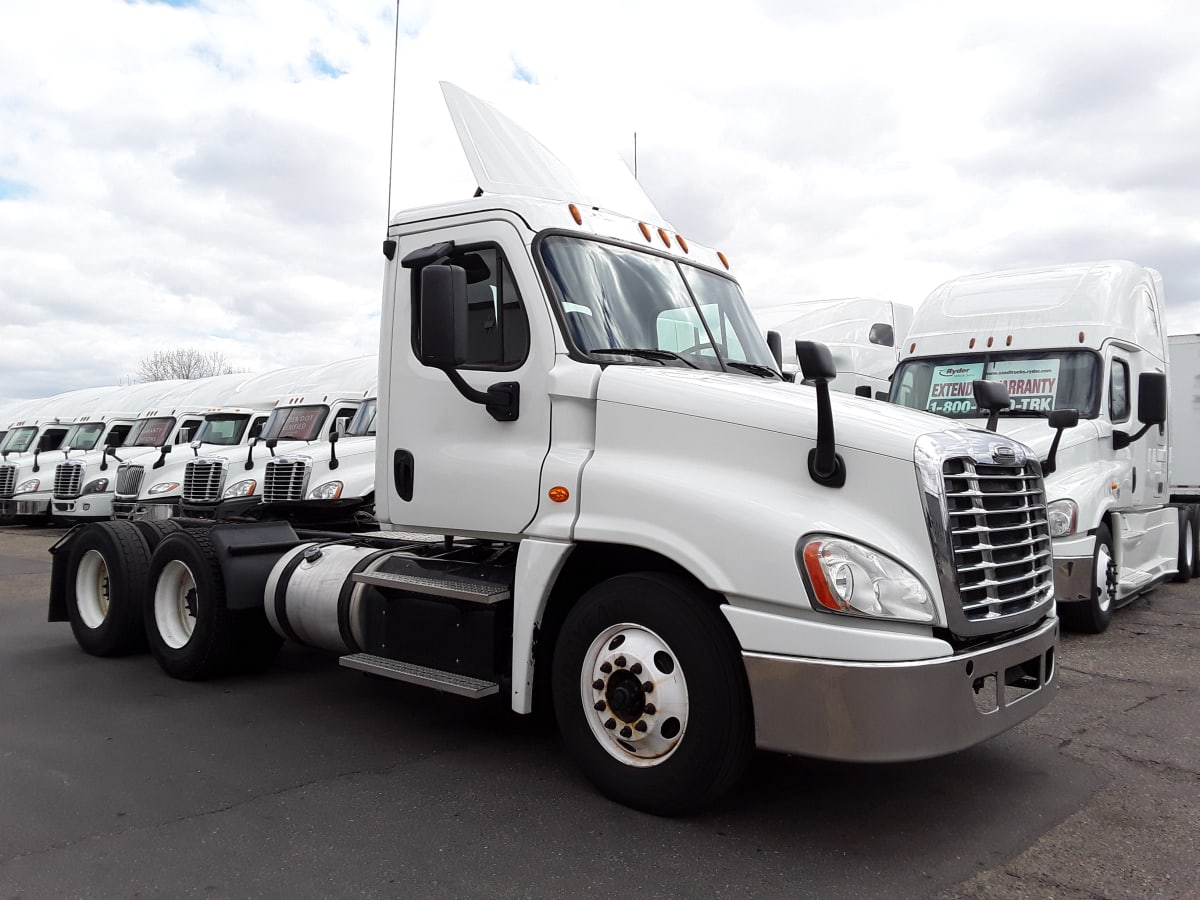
1062 306
346 379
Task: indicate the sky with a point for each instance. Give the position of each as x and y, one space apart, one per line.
215 173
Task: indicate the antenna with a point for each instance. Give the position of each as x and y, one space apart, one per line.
635 156
392 123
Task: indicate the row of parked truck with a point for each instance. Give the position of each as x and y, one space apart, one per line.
598 494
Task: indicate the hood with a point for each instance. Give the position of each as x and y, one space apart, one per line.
872 426
1038 435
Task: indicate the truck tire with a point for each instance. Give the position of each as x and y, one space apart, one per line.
1093 616
191 632
650 694
106 586
1187 545
1194 512
154 530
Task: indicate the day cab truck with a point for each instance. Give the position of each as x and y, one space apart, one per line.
84 486
864 335
229 483
1083 354
597 495
153 489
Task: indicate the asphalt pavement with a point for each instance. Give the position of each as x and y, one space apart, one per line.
312 780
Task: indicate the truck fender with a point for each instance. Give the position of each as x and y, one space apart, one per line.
246 552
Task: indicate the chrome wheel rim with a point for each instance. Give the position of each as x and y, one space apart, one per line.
1104 578
634 695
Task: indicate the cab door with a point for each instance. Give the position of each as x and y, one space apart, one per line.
451 467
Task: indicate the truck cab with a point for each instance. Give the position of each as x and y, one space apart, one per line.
1088 338
230 482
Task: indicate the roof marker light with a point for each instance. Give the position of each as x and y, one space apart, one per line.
971 344
990 340
645 230
1081 337
724 259
1008 341
575 213
666 238
679 239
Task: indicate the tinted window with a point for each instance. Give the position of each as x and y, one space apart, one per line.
1118 391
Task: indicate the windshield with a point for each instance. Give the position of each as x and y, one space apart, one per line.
83 437
364 420
296 423
224 430
1037 382
150 432
613 298
19 439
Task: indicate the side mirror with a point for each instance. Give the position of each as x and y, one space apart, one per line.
883 334
825 464
775 345
991 396
863 390
443 338
184 436
256 429
113 439
1060 420
1152 398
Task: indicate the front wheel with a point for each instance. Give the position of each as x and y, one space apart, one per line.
650 693
1186 562
1093 615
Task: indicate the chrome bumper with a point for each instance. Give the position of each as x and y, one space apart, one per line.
886 712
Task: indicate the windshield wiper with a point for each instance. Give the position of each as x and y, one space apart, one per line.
1024 413
753 368
645 353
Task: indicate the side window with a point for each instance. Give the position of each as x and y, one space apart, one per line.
188 430
497 324
1118 391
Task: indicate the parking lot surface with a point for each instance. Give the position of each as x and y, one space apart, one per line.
312 780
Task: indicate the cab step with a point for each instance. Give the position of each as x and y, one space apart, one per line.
450 682
475 591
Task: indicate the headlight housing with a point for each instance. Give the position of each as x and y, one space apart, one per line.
1063 516
330 490
95 486
27 487
241 489
163 486
852 579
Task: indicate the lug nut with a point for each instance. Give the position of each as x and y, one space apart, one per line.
651 709
598 684
600 706
636 668
620 661
605 668
647 686
640 726
610 724
626 732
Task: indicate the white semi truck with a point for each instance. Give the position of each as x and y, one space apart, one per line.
146 489
84 486
1087 338
229 483
863 334
597 493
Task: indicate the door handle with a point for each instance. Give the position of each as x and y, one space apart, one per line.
402 472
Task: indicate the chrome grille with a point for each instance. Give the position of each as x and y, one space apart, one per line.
285 479
203 480
68 480
999 536
129 479
8 479
985 506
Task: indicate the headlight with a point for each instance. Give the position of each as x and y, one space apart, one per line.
241 489
27 487
99 486
1063 516
849 578
330 490
163 486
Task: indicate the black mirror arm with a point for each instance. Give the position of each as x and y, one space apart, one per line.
333 460
1122 439
502 400
1051 462
36 451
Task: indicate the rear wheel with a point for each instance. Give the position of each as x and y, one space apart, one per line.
1093 615
106 585
650 693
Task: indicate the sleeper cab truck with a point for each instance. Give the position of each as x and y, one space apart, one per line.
1083 355
152 489
229 483
598 495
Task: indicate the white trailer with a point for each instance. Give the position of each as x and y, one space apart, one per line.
229 483
1183 377
153 490
597 493
862 333
1088 338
